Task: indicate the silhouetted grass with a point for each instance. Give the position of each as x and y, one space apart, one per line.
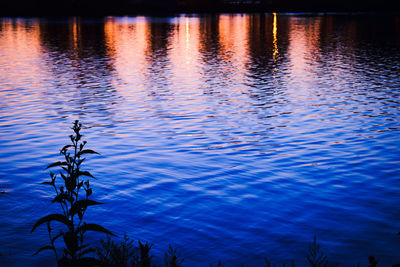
315 256
125 254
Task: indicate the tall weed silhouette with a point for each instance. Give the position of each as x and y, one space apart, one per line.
72 194
315 256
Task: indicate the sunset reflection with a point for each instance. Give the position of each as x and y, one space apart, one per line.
184 47
127 42
187 33
22 58
75 32
304 47
275 38
228 53
182 54
200 119
234 38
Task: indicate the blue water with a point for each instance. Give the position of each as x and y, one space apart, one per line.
231 137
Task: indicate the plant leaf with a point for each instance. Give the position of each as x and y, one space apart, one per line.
65 147
59 198
78 205
43 248
85 173
52 217
63 176
58 163
88 192
55 237
49 183
94 227
87 151
80 162
71 241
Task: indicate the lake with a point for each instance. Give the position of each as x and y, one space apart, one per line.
233 137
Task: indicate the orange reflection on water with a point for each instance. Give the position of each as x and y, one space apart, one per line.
21 52
183 53
20 38
127 42
179 50
76 31
234 40
184 43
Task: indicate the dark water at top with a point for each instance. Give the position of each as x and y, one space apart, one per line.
232 137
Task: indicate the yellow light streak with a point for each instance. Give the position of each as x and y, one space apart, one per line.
275 53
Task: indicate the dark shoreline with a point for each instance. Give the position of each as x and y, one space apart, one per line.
102 8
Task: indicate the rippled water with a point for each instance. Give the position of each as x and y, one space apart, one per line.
232 137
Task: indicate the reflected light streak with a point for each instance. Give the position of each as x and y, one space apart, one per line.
187 34
275 53
184 51
75 33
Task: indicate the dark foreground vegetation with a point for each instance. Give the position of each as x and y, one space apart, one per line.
71 185
134 7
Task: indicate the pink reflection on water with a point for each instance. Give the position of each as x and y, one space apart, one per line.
20 58
303 47
134 42
127 43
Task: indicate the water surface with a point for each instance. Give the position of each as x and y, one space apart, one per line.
232 137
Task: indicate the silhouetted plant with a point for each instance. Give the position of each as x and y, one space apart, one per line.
145 257
315 256
113 254
268 263
125 254
172 258
72 203
372 261
218 265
